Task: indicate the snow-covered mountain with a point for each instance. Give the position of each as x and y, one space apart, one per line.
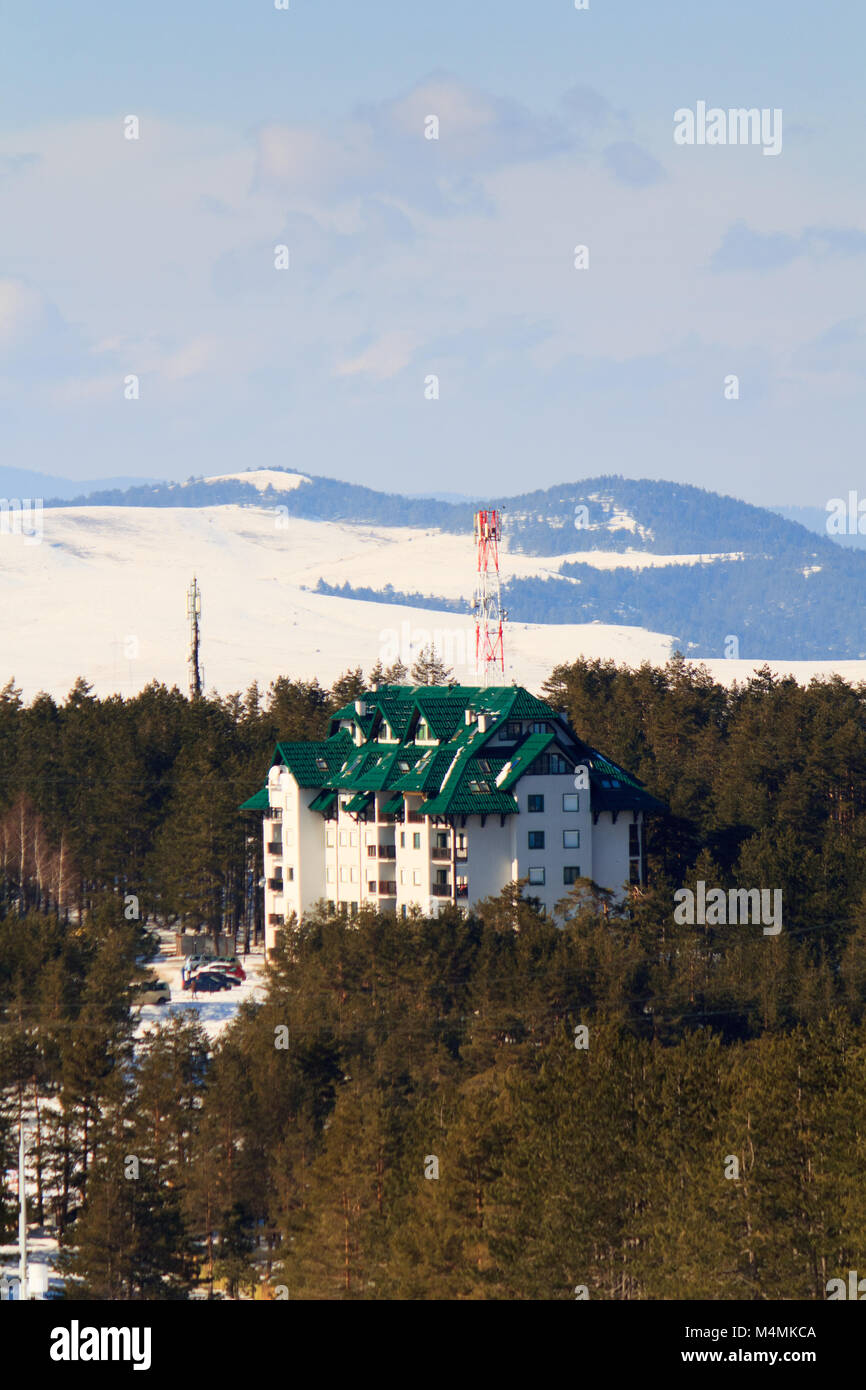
103 592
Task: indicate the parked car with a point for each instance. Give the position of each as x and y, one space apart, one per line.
152 992
210 981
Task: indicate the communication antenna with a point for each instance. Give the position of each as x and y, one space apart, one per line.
487 604
193 612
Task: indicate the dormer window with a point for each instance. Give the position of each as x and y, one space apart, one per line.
321 764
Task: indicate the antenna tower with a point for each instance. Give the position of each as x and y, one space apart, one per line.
487 604
193 612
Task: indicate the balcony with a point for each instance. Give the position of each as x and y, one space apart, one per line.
387 887
274 847
441 890
463 890
440 853
275 885
387 851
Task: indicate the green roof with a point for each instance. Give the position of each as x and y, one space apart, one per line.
463 801
359 802
314 764
259 802
520 762
467 771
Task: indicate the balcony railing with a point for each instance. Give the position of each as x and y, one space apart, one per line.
275 885
463 890
440 853
441 890
387 851
387 887
274 847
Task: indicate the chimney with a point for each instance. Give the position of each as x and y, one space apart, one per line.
483 721
360 708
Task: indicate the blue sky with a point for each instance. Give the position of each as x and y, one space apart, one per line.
412 257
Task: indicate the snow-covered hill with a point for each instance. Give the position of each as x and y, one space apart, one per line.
104 596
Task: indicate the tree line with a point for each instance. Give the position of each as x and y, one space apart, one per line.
482 1105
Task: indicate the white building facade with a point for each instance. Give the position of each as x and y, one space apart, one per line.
425 796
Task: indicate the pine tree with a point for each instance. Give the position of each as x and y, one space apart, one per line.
429 668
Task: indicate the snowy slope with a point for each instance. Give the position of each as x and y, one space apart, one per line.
104 596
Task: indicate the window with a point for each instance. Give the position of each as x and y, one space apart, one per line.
512 728
570 875
329 874
416 840
571 839
371 851
321 765
403 911
535 803
441 839
539 728
536 876
402 839
402 875
290 874
371 885
442 876
633 842
634 871
570 801
353 909
331 906
416 877
330 837
536 839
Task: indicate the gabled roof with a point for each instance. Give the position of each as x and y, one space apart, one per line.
460 774
313 764
522 758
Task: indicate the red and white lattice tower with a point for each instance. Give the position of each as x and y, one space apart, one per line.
489 613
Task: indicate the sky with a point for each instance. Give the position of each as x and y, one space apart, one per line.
425 326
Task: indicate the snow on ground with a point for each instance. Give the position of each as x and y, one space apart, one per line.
260 479
104 596
215 1011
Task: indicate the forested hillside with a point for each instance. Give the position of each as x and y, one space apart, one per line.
299 1155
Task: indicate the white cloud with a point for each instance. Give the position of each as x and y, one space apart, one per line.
383 358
